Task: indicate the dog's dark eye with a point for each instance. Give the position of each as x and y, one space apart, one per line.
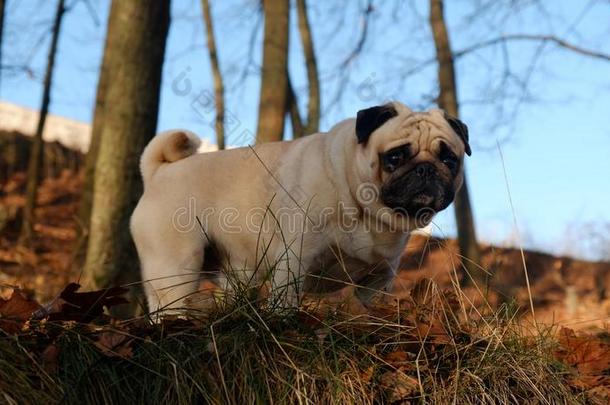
448 158
451 162
394 158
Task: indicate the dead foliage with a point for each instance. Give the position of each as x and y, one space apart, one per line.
416 349
588 356
16 311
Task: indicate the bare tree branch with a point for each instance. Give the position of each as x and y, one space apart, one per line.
218 82
535 37
36 156
448 101
313 105
2 9
513 37
92 12
343 68
239 84
292 108
363 35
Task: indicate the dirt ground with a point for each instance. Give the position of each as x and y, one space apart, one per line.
567 294
564 291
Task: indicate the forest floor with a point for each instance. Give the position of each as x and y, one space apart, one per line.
413 347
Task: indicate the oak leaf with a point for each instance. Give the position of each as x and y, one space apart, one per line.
16 310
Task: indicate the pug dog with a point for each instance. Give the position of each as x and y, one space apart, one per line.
309 215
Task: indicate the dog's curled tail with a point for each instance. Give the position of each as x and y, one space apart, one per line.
167 147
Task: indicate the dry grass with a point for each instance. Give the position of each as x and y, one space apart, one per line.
430 348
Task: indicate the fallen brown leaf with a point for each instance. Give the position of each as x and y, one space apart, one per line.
398 386
16 310
399 359
114 343
589 354
84 306
367 375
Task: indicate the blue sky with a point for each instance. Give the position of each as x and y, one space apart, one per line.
546 108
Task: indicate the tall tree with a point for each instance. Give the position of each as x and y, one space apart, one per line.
219 97
448 100
2 9
292 108
274 81
138 29
35 160
313 105
86 199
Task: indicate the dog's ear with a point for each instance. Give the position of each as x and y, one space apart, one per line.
461 130
368 120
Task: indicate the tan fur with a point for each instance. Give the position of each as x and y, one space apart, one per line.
167 147
314 179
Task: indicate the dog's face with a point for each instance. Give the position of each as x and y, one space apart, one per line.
416 159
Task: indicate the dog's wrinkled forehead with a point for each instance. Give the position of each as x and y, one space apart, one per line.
423 129
394 123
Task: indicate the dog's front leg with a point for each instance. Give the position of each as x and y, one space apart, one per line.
287 282
377 280
168 280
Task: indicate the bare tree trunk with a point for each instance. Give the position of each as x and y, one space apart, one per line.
218 82
86 200
274 81
138 30
35 160
2 9
313 106
292 108
448 100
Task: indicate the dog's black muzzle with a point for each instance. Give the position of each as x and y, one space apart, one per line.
422 188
